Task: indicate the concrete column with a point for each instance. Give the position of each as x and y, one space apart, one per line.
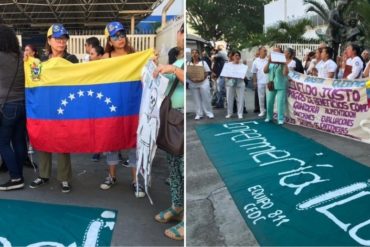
132 24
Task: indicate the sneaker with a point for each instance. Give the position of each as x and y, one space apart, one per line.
138 190
66 187
13 184
197 117
211 116
126 163
95 157
280 122
267 120
240 116
261 114
109 181
228 116
38 181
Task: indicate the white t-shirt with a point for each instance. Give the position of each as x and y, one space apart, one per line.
292 65
357 66
257 68
86 58
324 68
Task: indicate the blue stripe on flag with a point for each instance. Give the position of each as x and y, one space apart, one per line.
85 101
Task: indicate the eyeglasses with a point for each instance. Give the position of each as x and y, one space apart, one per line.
118 36
61 39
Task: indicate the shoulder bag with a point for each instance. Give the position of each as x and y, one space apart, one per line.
171 129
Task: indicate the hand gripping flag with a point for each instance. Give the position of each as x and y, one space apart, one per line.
88 107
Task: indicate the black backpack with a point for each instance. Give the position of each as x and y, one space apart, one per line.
218 66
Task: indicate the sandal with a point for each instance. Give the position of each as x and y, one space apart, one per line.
174 232
173 215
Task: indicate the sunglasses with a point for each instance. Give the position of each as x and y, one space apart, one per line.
118 36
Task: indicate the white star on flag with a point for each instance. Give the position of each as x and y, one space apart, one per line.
112 108
64 102
60 111
99 95
80 93
107 100
90 93
71 96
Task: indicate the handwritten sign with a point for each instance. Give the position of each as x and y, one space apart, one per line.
232 70
278 57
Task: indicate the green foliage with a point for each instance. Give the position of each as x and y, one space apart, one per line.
234 20
283 33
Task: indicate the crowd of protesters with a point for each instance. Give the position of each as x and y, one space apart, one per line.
269 79
13 137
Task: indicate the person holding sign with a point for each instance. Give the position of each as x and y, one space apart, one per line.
199 85
260 78
354 63
234 73
277 86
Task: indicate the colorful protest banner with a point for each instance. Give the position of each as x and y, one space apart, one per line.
84 108
339 107
153 94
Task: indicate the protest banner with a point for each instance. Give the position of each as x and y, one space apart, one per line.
339 107
84 108
153 94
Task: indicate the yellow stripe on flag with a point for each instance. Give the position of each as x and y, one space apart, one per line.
60 72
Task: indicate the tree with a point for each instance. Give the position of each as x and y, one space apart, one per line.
320 9
283 33
234 20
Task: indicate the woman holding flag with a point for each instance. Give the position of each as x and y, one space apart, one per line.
56 46
118 45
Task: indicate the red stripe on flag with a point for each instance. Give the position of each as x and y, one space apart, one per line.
83 136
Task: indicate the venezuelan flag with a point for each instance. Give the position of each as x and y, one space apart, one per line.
88 107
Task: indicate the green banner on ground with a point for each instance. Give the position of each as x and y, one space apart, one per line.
38 224
289 189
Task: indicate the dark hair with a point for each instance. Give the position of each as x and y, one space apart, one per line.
93 41
329 51
99 50
33 48
356 48
8 40
172 55
181 30
290 51
128 48
235 52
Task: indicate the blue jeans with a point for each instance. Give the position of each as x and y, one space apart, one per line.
13 148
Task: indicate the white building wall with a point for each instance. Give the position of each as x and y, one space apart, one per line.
285 10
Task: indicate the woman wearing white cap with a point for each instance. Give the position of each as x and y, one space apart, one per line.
56 46
118 45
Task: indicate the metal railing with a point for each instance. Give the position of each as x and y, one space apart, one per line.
301 49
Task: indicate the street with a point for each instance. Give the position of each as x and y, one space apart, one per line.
212 216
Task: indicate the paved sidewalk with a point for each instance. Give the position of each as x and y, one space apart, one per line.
212 216
135 224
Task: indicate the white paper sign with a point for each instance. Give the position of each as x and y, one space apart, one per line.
232 70
153 94
278 57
